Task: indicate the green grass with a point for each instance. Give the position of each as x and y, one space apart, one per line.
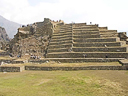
64 83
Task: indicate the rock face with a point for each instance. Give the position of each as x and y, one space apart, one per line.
4 39
32 40
3 35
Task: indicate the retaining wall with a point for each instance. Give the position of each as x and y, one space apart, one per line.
89 55
76 60
97 40
101 44
11 69
60 46
87 36
38 68
117 49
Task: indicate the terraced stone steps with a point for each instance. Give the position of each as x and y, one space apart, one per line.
60 46
60 42
103 28
59 37
81 60
97 40
78 24
100 49
99 44
88 43
63 31
85 30
58 50
66 28
62 34
84 25
85 33
86 36
88 55
86 49
107 32
113 31
109 35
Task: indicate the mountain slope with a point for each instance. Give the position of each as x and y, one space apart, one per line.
10 27
3 35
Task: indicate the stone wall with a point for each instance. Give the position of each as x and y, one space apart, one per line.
123 36
89 55
97 40
11 69
76 68
5 61
39 68
79 24
103 28
75 60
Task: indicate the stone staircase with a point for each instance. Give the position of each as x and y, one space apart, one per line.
61 40
86 43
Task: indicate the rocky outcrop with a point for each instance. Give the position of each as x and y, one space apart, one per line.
3 35
4 39
32 40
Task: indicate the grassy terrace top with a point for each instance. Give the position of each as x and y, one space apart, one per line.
84 52
55 64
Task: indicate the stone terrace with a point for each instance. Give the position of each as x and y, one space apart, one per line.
80 42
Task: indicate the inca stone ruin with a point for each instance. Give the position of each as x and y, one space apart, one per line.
56 41
74 42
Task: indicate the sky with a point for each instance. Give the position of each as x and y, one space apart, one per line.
110 13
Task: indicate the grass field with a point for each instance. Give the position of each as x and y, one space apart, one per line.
65 83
